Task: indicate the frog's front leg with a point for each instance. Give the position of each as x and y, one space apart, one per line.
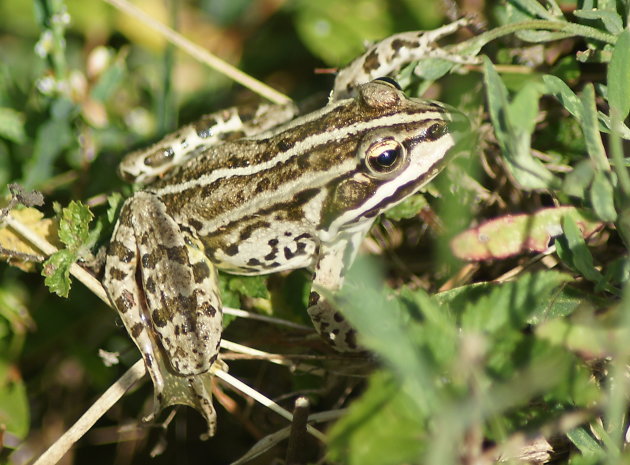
166 293
332 263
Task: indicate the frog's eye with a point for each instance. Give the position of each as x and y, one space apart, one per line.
384 157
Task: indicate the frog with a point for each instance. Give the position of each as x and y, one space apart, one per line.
261 192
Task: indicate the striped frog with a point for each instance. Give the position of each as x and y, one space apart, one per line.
260 193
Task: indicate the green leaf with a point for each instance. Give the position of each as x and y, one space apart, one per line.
590 128
12 125
523 108
379 428
577 181
537 10
407 209
250 286
433 69
514 140
602 197
56 269
14 407
611 19
586 443
108 82
384 327
52 138
509 235
576 253
73 225
564 94
512 304
336 31
619 76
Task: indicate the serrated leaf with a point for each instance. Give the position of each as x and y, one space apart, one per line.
511 305
12 125
602 197
56 269
74 225
619 76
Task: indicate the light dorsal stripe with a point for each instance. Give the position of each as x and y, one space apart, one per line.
307 144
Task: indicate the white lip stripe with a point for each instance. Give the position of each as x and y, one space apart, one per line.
299 148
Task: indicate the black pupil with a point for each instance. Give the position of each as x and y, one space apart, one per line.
388 157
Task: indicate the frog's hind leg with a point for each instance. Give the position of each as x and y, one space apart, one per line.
175 318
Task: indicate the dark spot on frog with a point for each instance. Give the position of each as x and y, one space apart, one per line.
371 62
144 238
177 254
208 310
197 225
117 274
397 44
117 249
149 260
262 185
136 330
270 256
351 339
313 299
288 233
231 250
338 317
201 271
288 254
284 145
150 285
273 242
253 262
304 163
125 302
158 317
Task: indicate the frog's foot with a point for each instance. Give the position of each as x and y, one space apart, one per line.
194 391
332 326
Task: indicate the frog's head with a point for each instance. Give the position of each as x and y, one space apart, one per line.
403 144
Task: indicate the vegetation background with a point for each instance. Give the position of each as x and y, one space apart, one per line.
510 340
